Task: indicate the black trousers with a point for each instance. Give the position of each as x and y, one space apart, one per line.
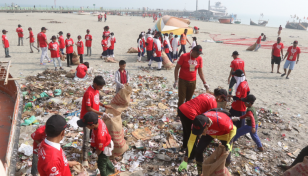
69 58
203 143
182 49
186 124
232 83
149 54
300 157
81 58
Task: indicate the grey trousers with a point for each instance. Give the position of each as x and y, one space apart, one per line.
34 171
32 45
6 51
20 40
85 143
89 51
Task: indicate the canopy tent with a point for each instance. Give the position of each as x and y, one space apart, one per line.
168 24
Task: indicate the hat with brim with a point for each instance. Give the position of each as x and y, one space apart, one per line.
250 99
199 124
198 49
88 119
235 53
55 124
4 30
238 73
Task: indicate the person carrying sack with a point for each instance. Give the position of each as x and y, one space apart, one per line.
215 123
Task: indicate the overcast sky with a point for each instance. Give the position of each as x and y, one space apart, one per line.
254 7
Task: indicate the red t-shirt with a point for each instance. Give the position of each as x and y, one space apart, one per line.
90 98
150 44
52 160
259 40
158 53
38 135
105 15
41 37
31 36
20 32
104 44
222 123
196 28
277 49
241 92
69 49
293 52
6 41
61 41
238 64
185 61
198 105
81 71
143 42
112 41
80 49
88 38
54 53
166 46
106 34
100 137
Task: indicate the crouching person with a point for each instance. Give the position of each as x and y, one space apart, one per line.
101 141
82 71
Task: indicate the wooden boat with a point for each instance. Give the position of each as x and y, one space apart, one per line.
296 25
83 13
237 21
260 23
225 20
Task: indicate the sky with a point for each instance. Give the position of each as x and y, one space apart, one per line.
254 7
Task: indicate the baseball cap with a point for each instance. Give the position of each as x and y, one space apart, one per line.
88 119
69 34
60 32
166 34
19 25
53 37
198 48
235 53
43 28
111 33
171 33
88 30
222 92
79 36
4 30
295 41
199 124
55 124
238 73
250 98
29 28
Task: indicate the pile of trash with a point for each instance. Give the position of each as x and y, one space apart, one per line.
151 132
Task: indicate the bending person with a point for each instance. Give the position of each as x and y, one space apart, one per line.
189 110
82 71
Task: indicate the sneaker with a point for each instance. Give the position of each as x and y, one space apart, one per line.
31 51
8 56
260 149
61 68
42 64
159 69
283 75
287 78
50 61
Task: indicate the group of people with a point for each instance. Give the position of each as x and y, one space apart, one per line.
100 17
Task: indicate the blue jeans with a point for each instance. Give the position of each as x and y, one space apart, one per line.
247 129
258 47
236 113
6 51
183 49
143 51
62 51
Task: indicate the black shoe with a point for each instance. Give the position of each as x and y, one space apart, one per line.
283 75
149 65
159 69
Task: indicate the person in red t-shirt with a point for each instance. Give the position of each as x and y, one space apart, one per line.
82 71
105 48
100 141
258 42
99 17
112 40
242 89
106 32
276 57
91 103
20 35
51 157
38 136
149 45
192 108
55 52
5 43
189 63
293 57
80 48
237 63
167 46
121 76
43 44
214 124
157 48
105 17
196 30
88 38
32 40
69 43
61 42
279 30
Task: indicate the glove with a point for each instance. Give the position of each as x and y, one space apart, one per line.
182 166
175 84
206 86
235 118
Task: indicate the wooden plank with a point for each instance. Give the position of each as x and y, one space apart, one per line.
7 73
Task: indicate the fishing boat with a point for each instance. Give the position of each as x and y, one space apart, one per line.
237 21
83 13
260 23
296 25
95 13
227 20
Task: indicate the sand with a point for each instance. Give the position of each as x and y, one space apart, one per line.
269 88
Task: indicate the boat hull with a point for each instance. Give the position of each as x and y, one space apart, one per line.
225 20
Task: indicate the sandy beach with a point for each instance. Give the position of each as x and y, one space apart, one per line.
270 89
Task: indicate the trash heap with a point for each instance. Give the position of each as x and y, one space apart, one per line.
154 138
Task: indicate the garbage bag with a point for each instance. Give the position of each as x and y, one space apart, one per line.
43 94
29 121
166 61
214 165
58 92
298 169
75 60
132 50
252 47
26 149
119 103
